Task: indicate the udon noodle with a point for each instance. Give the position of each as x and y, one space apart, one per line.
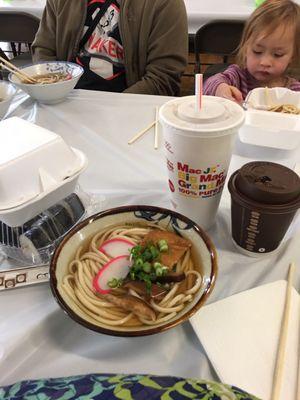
281 108
49 78
77 285
286 109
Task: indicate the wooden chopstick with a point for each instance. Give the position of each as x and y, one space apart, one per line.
20 76
143 131
277 377
156 128
12 68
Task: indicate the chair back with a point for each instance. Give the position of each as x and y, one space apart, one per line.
18 27
220 38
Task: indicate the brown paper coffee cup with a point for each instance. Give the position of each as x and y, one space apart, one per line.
265 197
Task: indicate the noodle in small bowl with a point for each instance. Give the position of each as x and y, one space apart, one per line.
272 118
79 264
55 80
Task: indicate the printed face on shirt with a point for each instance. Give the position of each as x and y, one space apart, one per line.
102 43
268 57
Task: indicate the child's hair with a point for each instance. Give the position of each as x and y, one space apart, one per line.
265 19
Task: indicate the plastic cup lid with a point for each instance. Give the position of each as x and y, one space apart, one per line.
217 115
268 182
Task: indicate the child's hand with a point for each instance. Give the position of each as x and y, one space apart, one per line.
229 92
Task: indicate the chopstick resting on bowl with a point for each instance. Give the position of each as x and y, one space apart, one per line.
18 72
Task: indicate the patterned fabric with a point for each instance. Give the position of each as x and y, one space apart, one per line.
241 79
121 387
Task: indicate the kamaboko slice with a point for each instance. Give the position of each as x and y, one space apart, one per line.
117 268
116 247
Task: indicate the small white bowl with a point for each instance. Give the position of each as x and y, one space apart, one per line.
50 93
7 91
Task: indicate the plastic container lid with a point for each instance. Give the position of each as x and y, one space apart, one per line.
33 161
217 116
268 182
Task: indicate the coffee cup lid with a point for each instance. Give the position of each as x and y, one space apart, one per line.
268 182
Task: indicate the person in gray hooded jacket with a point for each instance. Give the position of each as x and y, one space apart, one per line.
134 46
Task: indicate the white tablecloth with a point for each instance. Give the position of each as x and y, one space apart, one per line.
36 338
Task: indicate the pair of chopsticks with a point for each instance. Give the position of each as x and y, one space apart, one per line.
143 131
18 72
281 351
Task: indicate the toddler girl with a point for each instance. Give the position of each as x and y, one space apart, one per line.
270 44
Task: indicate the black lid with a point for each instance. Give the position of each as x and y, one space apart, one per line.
268 182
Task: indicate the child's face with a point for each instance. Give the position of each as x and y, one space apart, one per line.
268 57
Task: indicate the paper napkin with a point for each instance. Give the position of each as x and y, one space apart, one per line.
240 335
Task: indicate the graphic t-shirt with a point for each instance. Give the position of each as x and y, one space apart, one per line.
102 54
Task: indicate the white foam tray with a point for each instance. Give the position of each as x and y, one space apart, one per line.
267 128
37 169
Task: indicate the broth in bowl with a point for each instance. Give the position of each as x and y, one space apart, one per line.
133 271
48 78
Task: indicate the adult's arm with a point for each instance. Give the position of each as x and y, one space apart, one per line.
167 50
44 46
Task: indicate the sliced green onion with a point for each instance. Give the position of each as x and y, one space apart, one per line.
163 245
157 265
114 283
147 256
154 252
132 274
147 267
165 270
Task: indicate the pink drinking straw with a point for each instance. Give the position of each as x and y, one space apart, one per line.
198 91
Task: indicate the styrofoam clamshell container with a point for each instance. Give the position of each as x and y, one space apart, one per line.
37 168
268 128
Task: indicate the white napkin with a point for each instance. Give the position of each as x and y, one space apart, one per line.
240 335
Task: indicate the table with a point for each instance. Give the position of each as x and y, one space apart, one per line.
36 338
34 7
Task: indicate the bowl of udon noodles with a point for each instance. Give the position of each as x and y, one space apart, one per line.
133 270
53 80
7 91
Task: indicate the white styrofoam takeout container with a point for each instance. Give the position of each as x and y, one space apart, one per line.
268 128
37 169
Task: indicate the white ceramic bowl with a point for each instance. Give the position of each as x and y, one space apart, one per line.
7 91
53 92
203 251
